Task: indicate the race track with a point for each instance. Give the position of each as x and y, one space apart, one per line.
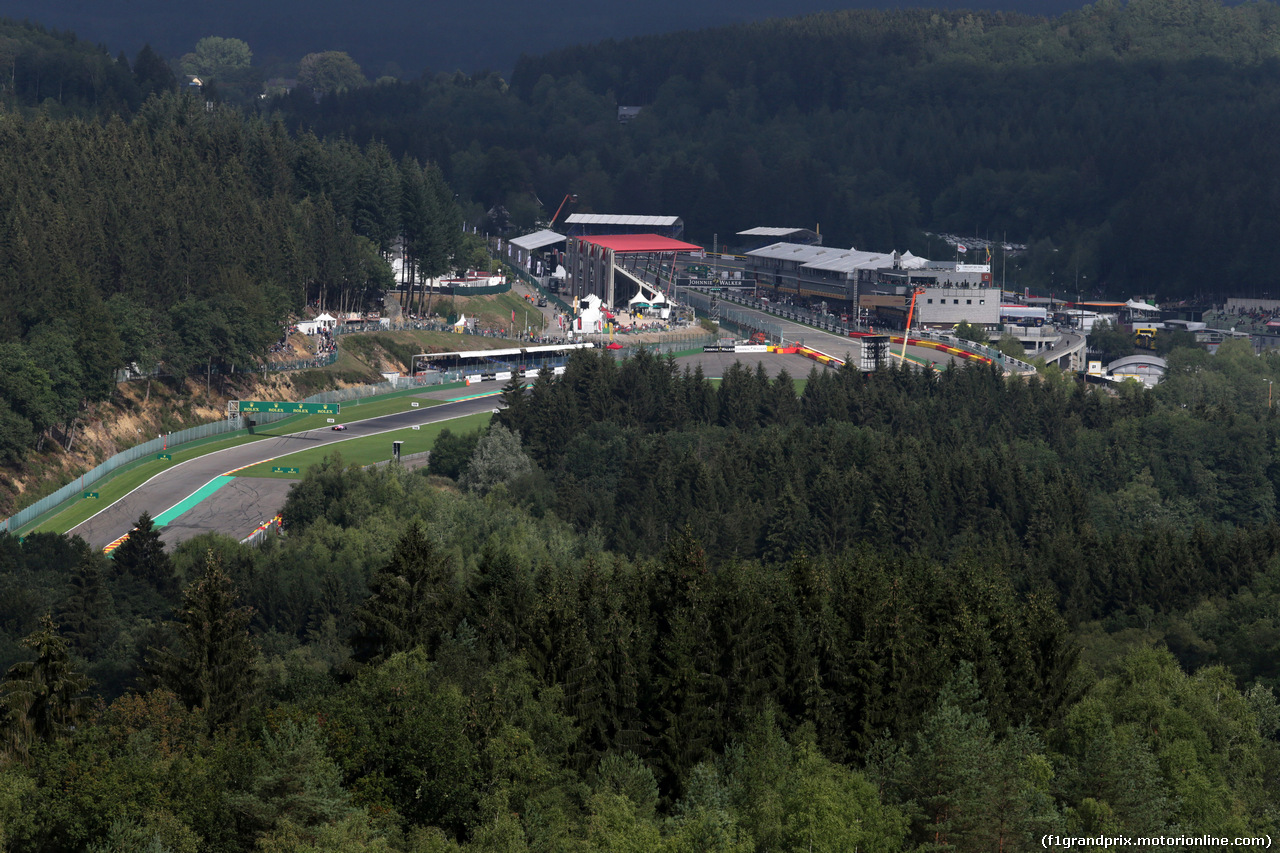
235 506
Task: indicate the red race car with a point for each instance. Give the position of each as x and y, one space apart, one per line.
338 427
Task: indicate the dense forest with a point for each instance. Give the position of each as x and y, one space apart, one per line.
1127 144
1124 143
628 616
182 237
643 610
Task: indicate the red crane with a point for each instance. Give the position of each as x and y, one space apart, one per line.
910 311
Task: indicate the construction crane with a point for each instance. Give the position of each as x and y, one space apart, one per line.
910 312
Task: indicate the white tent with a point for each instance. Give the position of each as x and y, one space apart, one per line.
590 318
648 297
908 261
311 327
462 321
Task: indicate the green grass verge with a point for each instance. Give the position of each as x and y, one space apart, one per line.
124 480
798 383
355 410
498 309
128 477
366 450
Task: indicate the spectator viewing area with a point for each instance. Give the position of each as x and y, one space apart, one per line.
594 267
518 359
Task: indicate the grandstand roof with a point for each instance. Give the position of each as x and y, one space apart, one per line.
768 231
615 219
640 243
537 240
851 260
824 257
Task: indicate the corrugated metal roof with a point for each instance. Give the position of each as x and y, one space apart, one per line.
852 260
797 252
536 240
824 257
614 219
768 231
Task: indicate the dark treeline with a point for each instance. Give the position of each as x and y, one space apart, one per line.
1119 142
1144 499
66 76
989 645
184 238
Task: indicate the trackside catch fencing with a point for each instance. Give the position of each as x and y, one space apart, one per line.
745 323
166 443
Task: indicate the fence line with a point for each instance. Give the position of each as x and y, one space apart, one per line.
535 282
742 321
408 457
224 427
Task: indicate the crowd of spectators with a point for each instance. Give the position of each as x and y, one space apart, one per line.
325 343
1243 319
282 345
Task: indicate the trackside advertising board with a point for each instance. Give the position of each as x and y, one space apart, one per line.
276 407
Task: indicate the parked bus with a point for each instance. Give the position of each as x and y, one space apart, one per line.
1145 336
1023 315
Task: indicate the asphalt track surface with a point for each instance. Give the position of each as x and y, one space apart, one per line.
240 506
237 508
834 345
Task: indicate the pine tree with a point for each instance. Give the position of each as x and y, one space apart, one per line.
413 601
42 698
211 663
141 557
87 614
514 401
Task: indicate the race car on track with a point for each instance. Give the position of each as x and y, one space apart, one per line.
339 427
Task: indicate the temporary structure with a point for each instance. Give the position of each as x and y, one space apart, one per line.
323 322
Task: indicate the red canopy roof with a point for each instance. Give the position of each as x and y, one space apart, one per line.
640 243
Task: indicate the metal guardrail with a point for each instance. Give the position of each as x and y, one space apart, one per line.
821 322
408 457
162 444
1008 362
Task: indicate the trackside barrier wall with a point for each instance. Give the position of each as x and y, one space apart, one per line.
745 323
138 451
408 457
262 531
167 443
683 343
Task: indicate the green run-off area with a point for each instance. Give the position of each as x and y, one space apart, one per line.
366 450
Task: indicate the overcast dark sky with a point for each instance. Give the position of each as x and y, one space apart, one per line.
428 35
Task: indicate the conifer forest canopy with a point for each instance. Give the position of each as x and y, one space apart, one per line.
643 610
